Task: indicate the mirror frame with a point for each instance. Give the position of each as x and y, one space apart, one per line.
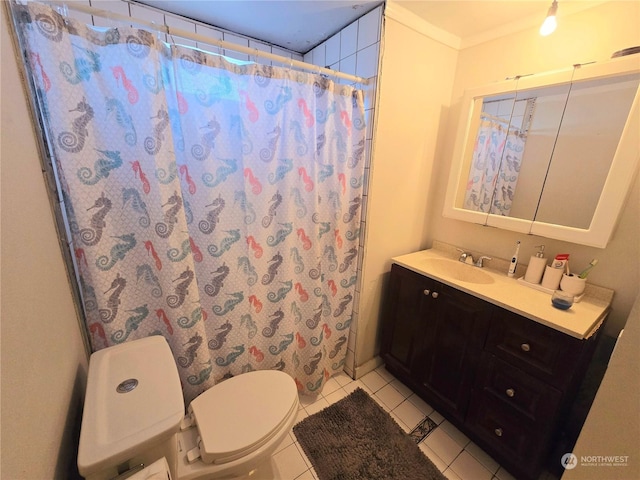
621 175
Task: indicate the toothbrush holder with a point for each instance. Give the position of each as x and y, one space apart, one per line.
572 284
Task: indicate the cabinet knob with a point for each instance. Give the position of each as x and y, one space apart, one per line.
525 347
426 292
498 432
510 392
434 294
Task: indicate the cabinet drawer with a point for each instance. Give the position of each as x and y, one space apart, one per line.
518 390
539 350
506 434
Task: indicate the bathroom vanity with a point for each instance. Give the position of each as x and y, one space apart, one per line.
490 354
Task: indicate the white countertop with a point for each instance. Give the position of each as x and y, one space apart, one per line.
580 321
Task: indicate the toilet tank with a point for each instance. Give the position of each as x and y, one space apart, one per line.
133 403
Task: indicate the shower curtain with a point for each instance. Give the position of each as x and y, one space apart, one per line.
493 177
213 202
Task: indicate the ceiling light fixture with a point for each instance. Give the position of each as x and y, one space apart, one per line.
549 25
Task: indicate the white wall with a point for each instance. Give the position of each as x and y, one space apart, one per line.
414 89
43 357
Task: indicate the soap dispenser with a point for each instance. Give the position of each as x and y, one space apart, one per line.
535 269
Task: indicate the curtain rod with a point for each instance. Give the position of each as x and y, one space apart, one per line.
494 118
210 41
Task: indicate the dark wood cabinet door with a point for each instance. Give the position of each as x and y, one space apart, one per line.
453 340
403 324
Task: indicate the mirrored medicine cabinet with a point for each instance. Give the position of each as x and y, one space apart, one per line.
550 154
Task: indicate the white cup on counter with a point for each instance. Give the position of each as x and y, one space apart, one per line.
572 284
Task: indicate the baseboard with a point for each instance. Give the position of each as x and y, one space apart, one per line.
362 370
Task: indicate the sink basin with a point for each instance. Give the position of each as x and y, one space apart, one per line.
458 271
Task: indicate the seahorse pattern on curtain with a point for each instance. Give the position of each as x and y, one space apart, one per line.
213 203
493 177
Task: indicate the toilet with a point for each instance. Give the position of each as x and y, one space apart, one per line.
134 418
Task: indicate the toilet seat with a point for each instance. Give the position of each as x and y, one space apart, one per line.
241 414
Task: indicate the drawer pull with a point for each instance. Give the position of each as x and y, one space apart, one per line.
510 392
498 432
434 294
426 292
525 347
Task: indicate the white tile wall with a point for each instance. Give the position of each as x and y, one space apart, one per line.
208 31
505 107
369 28
146 14
149 15
121 8
349 40
81 16
285 53
211 33
332 54
369 120
367 61
180 24
519 107
318 55
262 47
238 40
348 65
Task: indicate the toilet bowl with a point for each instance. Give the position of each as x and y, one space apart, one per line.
134 417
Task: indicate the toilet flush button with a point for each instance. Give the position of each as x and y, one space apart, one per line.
127 385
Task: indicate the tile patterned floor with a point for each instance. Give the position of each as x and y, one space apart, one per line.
448 448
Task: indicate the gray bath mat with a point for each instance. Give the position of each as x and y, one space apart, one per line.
355 439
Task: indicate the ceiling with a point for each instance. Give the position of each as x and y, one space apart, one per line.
300 25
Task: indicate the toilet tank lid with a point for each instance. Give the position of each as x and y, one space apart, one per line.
133 399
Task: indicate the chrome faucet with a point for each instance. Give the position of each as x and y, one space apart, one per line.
479 262
468 259
465 257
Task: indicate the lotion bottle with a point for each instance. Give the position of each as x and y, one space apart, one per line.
514 261
535 269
